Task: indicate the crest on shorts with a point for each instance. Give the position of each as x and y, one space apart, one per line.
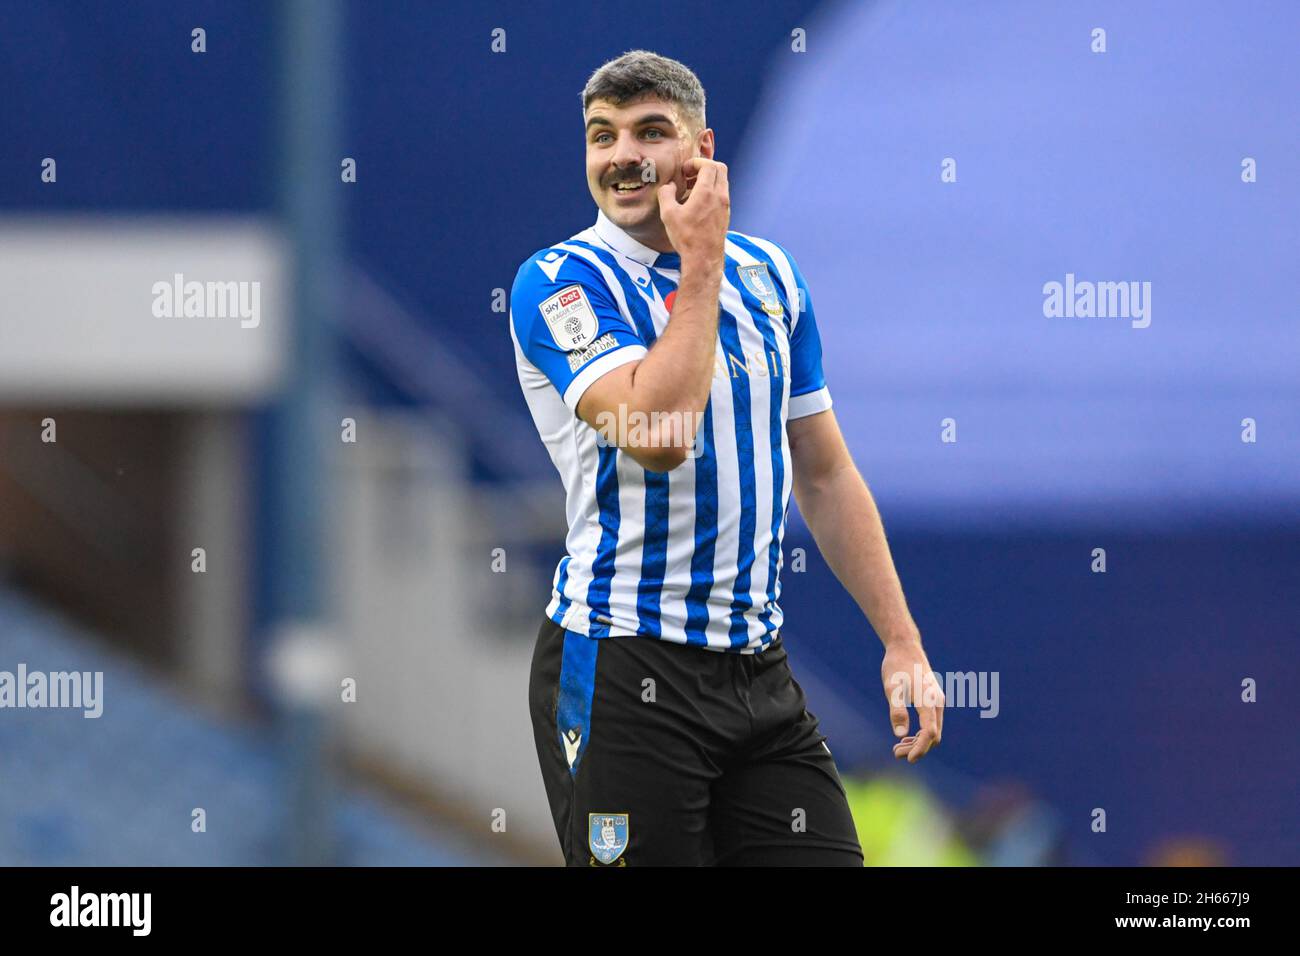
570 318
757 281
607 835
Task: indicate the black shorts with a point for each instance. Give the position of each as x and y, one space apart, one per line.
656 753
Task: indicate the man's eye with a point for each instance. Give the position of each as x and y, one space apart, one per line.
654 133
602 138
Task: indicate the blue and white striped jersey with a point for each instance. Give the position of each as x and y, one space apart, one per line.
692 555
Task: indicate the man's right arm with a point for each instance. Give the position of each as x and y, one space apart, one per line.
674 377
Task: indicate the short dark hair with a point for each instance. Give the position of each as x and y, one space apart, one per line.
638 73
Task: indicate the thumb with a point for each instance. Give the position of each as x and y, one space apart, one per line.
896 692
898 719
666 193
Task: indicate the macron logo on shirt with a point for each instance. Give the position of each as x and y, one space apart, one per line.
551 264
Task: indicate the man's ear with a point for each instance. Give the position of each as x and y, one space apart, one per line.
706 143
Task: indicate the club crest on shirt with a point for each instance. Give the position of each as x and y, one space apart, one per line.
608 835
570 318
757 281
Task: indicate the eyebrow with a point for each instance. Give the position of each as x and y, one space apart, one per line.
651 118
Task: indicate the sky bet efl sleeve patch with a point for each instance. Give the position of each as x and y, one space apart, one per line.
570 318
568 324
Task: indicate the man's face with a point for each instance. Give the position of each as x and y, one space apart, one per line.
640 144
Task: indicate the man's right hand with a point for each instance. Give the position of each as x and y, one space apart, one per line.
674 379
697 227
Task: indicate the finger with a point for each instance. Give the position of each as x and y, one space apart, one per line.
690 166
931 704
928 720
722 174
924 740
707 171
936 699
666 193
896 694
929 728
690 169
924 744
904 746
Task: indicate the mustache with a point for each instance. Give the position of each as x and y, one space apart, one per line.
636 175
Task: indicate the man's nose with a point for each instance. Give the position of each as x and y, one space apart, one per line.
627 151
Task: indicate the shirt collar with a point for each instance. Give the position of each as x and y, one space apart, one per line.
620 241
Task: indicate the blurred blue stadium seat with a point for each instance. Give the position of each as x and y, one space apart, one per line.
120 789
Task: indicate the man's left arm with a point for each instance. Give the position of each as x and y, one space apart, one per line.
842 515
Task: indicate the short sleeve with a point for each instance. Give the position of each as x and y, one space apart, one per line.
808 392
567 323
